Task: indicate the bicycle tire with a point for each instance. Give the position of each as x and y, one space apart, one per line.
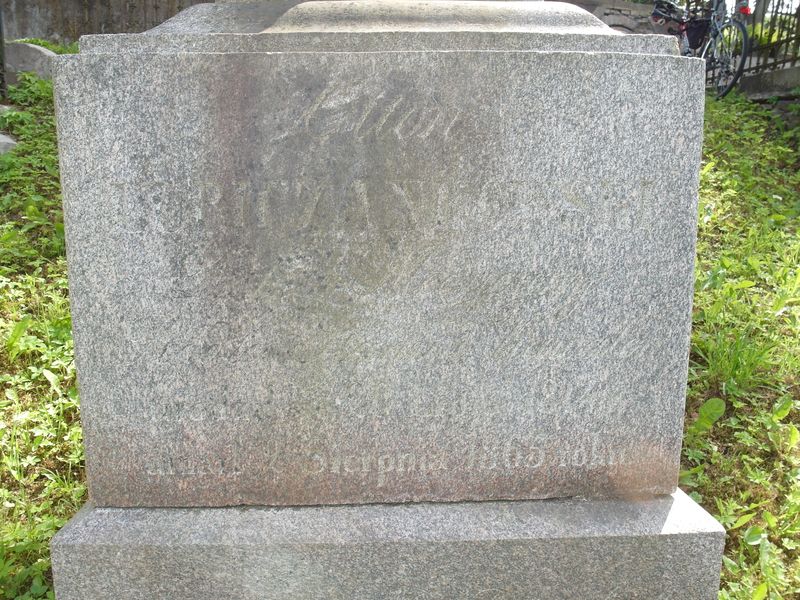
725 63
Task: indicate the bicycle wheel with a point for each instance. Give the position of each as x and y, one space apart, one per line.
725 54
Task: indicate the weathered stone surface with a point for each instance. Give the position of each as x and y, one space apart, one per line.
666 548
67 20
303 278
21 57
770 84
7 143
398 15
400 25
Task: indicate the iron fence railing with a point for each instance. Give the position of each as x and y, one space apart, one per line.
3 87
773 27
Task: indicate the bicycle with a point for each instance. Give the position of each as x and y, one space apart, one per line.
711 34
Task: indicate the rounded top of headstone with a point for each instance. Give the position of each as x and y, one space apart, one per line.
297 16
381 25
432 15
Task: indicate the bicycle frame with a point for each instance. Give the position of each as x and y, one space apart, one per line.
708 33
719 16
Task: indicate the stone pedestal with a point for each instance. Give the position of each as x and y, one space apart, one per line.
663 548
347 253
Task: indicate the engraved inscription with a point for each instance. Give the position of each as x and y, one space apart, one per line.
384 464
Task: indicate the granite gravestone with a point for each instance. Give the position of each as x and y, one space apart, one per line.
357 252
367 276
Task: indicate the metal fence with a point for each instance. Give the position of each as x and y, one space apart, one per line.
774 30
3 87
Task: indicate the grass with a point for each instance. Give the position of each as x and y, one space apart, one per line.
740 454
741 451
71 48
41 455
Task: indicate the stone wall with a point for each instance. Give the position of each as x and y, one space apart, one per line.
772 84
628 17
67 20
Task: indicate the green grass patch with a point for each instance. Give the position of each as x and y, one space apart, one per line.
71 48
740 458
31 227
41 455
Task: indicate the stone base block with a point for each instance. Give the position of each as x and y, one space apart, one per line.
666 547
